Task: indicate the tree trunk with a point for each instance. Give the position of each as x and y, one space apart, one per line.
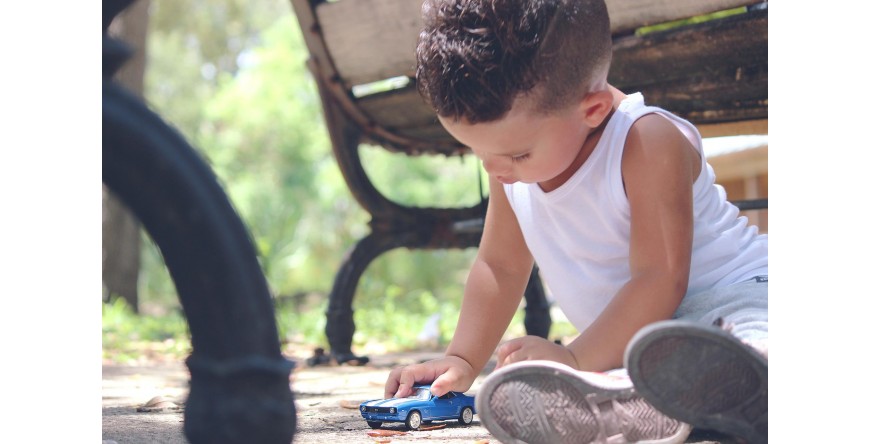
121 247
121 229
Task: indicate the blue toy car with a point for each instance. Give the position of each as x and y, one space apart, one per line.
418 408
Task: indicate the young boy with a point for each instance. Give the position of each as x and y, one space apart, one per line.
616 204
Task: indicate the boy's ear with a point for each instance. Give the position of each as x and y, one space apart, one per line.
596 106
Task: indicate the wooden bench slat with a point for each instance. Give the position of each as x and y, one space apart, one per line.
711 72
628 15
433 139
371 40
708 73
414 111
434 132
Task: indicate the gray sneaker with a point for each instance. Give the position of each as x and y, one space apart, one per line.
701 375
546 402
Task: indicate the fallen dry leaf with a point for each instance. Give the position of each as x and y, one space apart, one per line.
481 441
382 440
433 427
158 404
353 405
382 432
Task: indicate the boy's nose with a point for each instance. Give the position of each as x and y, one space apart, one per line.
495 164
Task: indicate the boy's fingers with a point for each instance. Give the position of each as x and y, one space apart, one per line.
392 384
402 380
445 375
445 382
506 349
516 356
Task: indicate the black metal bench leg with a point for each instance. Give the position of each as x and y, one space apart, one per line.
339 315
537 321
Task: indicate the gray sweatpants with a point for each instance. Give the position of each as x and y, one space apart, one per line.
742 307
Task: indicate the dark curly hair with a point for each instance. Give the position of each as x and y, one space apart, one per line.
475 57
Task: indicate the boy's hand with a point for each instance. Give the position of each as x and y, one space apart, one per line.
450 373
533 347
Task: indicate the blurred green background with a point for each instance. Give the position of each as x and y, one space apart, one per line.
231 76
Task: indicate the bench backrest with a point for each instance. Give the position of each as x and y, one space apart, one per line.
712 73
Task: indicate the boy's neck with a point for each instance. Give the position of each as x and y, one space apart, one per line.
585 151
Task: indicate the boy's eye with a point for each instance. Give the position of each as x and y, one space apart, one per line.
520 157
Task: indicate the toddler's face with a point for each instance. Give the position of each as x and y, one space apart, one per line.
525 146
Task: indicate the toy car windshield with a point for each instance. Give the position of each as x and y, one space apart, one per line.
419 393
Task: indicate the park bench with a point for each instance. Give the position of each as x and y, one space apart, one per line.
362 56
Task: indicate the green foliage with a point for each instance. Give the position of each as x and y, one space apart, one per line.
128 337
156 289
267 141
402 289
306 326
429 181
232 78
195 44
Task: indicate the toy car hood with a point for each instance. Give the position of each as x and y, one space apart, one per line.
392 402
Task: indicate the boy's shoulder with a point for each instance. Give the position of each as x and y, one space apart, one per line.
653 130
649 125
655 148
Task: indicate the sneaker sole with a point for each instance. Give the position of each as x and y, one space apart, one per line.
545 402
701 375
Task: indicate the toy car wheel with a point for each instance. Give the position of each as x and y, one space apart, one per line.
465 416
413 421
374 424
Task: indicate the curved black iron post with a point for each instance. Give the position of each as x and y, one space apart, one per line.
340 325
339 315
239 386
239 389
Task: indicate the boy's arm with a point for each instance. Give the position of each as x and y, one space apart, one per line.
495 284
492 294
659 166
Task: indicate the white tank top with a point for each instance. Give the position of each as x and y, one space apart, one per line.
579 232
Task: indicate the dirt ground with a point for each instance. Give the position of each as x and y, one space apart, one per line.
321 394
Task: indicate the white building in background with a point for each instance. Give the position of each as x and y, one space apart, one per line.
740 163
